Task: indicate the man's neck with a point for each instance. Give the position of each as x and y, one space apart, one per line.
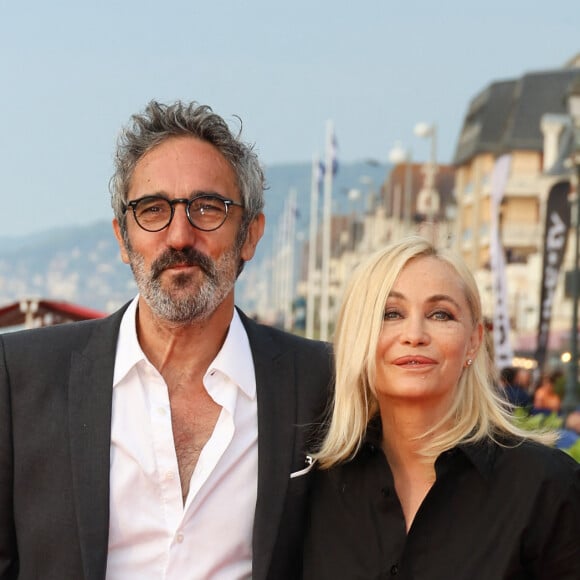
190 346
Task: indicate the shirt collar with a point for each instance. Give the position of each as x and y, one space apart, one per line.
481 454
129 351
233 360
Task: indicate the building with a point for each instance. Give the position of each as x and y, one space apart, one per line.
410 207
400 206
518 118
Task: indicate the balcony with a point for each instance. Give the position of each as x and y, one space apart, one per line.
524 186
521 235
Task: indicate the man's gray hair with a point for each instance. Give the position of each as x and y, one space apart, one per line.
159 122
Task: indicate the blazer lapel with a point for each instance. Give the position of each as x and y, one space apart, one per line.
90 397
276 416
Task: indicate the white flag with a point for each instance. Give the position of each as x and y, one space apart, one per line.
503 352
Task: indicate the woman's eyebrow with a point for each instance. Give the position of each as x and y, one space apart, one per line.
443 298
430 299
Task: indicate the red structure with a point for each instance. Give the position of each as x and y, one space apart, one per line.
32 313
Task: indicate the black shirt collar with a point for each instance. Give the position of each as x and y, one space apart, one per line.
481 454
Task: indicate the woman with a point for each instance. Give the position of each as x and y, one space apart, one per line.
421 473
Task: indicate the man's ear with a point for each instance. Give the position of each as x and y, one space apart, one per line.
253 236
120 241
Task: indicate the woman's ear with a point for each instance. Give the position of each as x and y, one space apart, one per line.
475 341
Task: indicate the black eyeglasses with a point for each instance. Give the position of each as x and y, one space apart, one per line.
154 213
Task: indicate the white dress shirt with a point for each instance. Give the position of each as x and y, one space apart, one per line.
151 533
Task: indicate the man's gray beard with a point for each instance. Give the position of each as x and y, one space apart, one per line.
216 282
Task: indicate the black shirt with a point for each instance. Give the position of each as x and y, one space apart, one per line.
493 513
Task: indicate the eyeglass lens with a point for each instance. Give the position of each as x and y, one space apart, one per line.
205 212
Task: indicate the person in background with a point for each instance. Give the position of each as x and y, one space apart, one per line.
168 440
573 421
512 391
546 398
523 380
421 473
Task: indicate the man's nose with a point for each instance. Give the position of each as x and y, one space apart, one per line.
180 232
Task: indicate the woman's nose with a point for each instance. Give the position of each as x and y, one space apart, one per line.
415 331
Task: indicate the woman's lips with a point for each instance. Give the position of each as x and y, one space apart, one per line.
414 360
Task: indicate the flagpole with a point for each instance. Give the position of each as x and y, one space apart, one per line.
280 266
282 259
326 227
289 264
277 272
312 247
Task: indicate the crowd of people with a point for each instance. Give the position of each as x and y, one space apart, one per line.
520 390
180 439
541 397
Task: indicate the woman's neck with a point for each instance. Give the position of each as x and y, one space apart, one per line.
403 440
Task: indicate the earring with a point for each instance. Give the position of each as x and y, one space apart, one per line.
469 362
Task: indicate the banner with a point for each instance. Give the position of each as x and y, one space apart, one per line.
503 353
555 238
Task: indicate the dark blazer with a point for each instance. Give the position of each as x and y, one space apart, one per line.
55 428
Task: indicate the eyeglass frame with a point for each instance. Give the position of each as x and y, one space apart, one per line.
173 202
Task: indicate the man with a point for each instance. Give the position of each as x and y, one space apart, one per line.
168 440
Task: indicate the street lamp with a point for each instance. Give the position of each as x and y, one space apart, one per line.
400 155
570 401
425 131
353 195
429 195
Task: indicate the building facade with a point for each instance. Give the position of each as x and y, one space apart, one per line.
523 121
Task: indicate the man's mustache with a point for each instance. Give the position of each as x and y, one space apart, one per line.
187 257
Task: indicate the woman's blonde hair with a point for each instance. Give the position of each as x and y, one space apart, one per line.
478 411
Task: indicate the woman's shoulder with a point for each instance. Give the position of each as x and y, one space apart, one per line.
542 462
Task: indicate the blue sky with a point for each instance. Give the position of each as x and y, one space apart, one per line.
72 73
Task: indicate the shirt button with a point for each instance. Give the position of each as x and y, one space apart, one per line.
394 569
169 475
385 492
161 411
179 538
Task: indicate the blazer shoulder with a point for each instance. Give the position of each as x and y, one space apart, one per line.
258 332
